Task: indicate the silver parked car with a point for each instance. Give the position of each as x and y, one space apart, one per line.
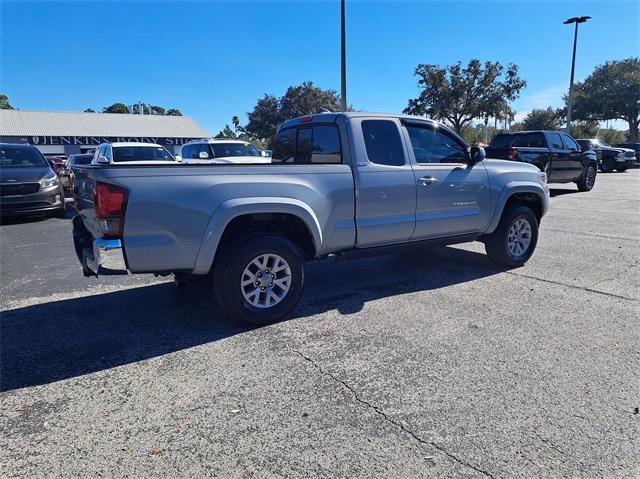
28 184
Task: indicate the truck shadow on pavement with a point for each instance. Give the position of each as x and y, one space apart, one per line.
59 340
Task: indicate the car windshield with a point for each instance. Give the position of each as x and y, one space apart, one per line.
81 160
602 144
20 156
141 153
223 150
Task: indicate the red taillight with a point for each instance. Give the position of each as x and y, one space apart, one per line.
110 202
513 154
306 119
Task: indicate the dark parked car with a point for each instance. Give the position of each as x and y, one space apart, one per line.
554 152
66 174
28 184
609 158
631 146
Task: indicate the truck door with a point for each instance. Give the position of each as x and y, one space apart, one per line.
385 184
453 197
560 159
574 160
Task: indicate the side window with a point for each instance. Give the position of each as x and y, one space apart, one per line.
284 146
98 153
555 141
189 151
382 140
204 148
569 143
433 146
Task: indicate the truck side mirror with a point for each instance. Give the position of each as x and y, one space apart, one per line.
178 158
476 154
203 155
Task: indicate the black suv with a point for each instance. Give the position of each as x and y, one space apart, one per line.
609 158
554 152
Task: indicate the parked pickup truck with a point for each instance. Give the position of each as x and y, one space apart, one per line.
340 184
554 152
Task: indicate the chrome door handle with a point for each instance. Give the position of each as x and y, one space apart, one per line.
427 180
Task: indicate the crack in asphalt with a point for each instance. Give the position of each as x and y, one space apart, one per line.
388 419
583 288
595 235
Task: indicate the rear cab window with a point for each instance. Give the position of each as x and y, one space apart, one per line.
308 144
530 140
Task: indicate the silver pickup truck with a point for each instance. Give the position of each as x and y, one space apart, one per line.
340 184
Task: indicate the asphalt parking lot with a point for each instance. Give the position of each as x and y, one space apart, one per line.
431 365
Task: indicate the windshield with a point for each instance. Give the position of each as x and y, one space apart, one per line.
223 150
141 153
20 156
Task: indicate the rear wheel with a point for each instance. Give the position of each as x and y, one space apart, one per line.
514 240
588 179
260 281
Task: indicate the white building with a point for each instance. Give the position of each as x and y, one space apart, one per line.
71 133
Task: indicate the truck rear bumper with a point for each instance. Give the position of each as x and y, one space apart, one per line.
105 258
98 256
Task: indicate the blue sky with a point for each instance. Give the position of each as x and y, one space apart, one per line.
214 59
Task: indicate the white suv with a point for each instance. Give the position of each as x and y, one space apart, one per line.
221 151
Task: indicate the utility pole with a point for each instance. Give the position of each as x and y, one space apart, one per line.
343 59
577 21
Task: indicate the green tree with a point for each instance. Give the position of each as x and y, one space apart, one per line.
89 110
458 94
4 103
270 111
543 119
611 92
611 136
173 112
116 108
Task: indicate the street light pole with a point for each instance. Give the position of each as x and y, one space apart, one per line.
576 20
343 59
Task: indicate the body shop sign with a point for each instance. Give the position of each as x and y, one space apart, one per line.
96 140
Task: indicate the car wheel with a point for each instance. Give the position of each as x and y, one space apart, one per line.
588 179
514 240
621 170
261 281
605 168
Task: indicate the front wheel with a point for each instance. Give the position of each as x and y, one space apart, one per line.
514 240
588 179
260 281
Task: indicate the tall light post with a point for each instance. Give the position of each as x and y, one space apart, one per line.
343 60
577 21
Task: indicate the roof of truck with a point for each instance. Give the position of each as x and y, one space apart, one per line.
332 116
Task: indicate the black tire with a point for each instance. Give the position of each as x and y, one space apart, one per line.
605 167
496 244
621 170
588 180
228 274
